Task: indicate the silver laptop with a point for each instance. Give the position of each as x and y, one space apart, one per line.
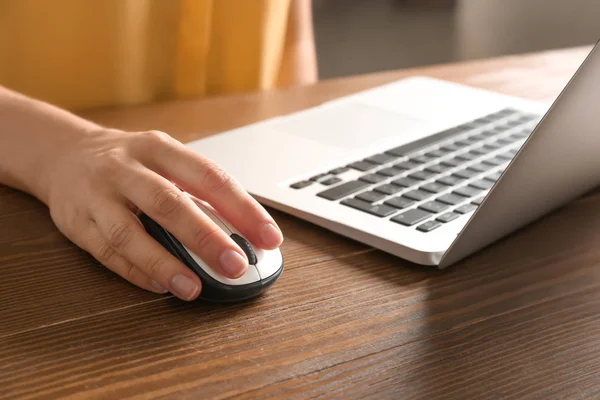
427 170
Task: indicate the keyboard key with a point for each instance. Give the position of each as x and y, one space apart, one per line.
495 161
301 184
471 139
405 182
421 175
489 133
528 117
491 146
498 130
343 190
391 171
479 122
465 209
503 128
411 217
338 171
362 166
428 226
436 153
481 167
417 195
462 143
330 181
467 191
451 199
467 156
505 141
373 178
438 168
449 216
497 144
466 173
479 137
453 162
467 126
450 147
482 184
498 115
517 136
388 189
522 118
406 165
371 196
478 201
493 177
450 180
484 120
506 156
380 158
434 187
474 154
522 134
508 111
481 151
434 207
421 159
495 116
513 123
399 202
379 210
317 177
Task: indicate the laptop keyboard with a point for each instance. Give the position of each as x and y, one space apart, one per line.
434 180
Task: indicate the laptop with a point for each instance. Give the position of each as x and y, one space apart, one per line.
427 170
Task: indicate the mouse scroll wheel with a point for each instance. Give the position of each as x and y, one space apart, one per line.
246 248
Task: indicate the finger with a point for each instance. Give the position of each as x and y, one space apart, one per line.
92 241
124 233
176 212
205 180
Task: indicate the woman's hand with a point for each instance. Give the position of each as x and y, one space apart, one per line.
96 184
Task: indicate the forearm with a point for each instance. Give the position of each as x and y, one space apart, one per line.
31 134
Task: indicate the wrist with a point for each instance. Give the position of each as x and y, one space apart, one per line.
52 159
33 136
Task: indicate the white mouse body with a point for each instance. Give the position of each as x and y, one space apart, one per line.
264 268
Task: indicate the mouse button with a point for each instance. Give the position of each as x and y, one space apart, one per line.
213 216
246 248
251 275
268 262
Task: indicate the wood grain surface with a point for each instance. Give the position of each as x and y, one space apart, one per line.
517 320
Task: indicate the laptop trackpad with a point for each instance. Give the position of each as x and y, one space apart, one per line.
350 125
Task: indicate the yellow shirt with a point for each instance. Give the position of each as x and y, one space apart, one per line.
89 53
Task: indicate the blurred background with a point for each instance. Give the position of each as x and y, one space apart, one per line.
363 36
83 54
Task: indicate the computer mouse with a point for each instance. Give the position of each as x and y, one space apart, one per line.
265 266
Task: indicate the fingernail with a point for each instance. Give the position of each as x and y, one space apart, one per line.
270 235
184 287
233 263
159 287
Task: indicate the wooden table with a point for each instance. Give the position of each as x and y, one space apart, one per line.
517 320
